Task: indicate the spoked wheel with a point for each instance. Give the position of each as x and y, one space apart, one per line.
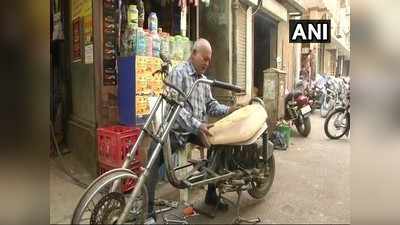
108 209
261 185
337 124
102 204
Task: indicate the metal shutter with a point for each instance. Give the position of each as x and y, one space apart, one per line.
239 43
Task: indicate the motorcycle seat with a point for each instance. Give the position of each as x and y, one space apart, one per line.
294 94
240 127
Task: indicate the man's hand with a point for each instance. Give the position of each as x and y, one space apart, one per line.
204 128
233 108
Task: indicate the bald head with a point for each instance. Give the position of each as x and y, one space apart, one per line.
201 55
202 45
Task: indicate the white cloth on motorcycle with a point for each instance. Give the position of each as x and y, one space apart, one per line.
240 126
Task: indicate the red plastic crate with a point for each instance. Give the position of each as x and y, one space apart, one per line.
114 142
128 184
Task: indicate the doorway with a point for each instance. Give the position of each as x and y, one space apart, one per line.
265 49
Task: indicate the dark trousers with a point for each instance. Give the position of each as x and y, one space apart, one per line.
153 176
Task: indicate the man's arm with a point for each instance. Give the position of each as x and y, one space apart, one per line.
214 108
185 117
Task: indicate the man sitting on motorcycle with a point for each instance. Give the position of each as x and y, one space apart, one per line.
183 76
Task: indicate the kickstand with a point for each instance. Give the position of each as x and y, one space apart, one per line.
240 219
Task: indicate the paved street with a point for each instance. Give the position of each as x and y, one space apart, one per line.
311 186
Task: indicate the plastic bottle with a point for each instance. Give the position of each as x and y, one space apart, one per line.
133 40
156 44
133 14
149 44
164 43
186 48
172 47
179 47
140 42
140 8
152 22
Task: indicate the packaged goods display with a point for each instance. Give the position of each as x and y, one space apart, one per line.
152 42
146 84
146 46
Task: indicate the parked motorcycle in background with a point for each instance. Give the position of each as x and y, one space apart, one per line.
328 98
298 109
337 123
334 95
314 92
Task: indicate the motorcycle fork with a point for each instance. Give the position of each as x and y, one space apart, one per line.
160 137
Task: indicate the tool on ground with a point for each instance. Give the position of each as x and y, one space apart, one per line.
167 204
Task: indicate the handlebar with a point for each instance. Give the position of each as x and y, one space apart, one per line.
164 58
227 86
206 81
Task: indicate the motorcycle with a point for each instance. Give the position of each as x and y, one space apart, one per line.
318 91
233 165
314 93
334 95
330 97
340 117
298 110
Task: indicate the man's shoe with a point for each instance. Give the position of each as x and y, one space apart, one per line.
213 200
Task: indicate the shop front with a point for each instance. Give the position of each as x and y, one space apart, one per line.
104 39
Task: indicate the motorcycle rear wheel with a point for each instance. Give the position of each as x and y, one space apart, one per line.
304 129
261 188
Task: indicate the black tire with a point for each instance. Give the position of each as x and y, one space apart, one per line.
305 128
259 191
313 109
330 116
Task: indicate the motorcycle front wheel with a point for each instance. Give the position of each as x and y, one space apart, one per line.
337 124
100 204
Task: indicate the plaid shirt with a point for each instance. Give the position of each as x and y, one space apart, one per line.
183 77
